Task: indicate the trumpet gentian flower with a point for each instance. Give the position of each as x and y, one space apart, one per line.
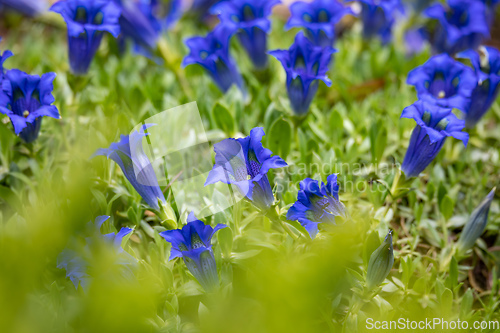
381 262
136 167
142 21
305 65
25 99
444 82
250 20
245 163
6 54
461 25
27 7
318 18
378 17
434 125
87 20
316 204
77 263
212 53
476 224
202 6
193 244
487 70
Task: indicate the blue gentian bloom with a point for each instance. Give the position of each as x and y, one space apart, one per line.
378 17
212 53
136 167
317 204
77 263
245 162
6 54
201 7
488 78
434 125
415 39
461 25
250 20
305 65
193 244
319 18
87 20
142 21
25 99
491 7
27 7
444 82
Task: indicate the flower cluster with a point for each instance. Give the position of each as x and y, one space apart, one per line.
245 163
136 167
305 65
317 204
319 18
192 243
461 25
78 263
25 99
378 18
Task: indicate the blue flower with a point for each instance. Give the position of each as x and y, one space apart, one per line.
319 18
6 54
212 53
201 7
316 204
491 7
136 167
87 20
142 21
305 64
488 78
245 163
27 7
415 39
193 244
461 25
25 99
77 263
378 17
444 82
434 125
250 20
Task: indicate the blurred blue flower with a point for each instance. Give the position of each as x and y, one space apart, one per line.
87 20
415 39
378 17
201 7
143 20
434 125
193 244
462 25
77 263
444 82
245 162
305 64
27 7
6 54
318 18
25 99
488 78
212 53
491 7
476 224
250 20
317 204
136 167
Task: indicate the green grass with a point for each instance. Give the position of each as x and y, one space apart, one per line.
270 282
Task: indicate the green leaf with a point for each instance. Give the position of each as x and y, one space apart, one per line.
378 140
279 138
466 304
453 272
446 207
225 237
223 119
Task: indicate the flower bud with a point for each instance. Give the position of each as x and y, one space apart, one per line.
380 263
476 224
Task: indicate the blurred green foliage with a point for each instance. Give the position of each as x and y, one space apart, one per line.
270 283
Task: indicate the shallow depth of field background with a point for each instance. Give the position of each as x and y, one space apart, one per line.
51 189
